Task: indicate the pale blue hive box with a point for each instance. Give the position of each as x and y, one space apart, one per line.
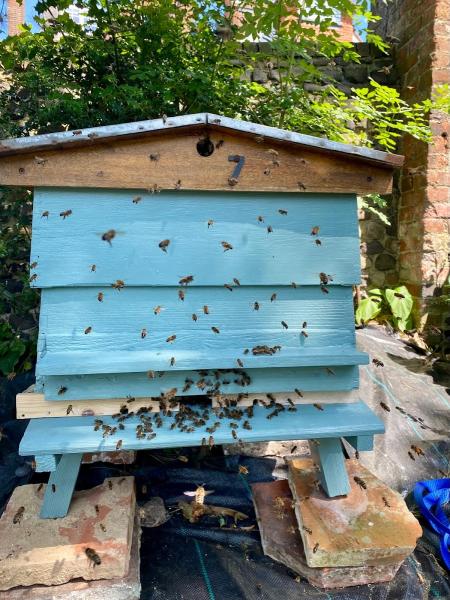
99 341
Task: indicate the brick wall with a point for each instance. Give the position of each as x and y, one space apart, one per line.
421 32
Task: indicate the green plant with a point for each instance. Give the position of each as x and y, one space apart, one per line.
391 305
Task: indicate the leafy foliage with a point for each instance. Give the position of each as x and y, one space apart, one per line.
391 305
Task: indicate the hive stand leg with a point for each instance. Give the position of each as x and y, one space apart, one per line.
361 442
60 486
46 463
330 458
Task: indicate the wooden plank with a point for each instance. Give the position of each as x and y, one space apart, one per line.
45 463
120 385
77 435
333 473
288 254
30 405
361 442
127 164
61 484
75 363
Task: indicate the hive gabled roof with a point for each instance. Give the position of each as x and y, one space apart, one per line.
91 135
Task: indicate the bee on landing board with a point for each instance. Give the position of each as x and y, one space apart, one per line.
93 557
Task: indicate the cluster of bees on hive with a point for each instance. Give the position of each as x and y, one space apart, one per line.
188 418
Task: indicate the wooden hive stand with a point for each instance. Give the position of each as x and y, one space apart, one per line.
193 256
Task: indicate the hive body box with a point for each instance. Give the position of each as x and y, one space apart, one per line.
266 227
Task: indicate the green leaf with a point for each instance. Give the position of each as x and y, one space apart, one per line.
367 310
400 302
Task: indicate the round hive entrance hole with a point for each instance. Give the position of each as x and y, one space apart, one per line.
205 147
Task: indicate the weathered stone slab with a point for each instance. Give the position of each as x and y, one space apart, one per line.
281 541
123 588
53 551
370 526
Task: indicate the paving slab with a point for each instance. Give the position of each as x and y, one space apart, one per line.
370 526
53 551
281 540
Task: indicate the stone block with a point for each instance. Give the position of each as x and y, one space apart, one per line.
370 526
53 551
281 541
355 73
385 262
121 588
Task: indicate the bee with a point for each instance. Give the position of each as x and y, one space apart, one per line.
163 245
33 265
110 485
143 333
118 285
172 361
330 371
199 494
236 281
243 470
154 157
228 286
69 409
273 297
210 441
100 296
210 223
119 445
18 516
362 484
239 362
232 181
318 242
417 450
386 503
260 219
137 199
181 295
227 246
65 213
45 214
385 407
215 329
171 338
377 362
53 488
33 277
293 284
269 229
102 527
130 399
88 330
316 547
256 306
186 280
62 390
272 152
307 529
77 132
324 278
301 185
93 556
304 334
234 434
411 455
177 186
206 310
282 211
246 351
315 230
157 310
285 325
318 406
93 268
97 509
155 189
164 119
109 235
305 325
246 425
298 392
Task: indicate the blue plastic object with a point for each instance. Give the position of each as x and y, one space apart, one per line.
431 496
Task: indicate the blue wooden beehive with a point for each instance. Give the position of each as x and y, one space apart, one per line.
197 255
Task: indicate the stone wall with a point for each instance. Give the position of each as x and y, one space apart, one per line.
379 243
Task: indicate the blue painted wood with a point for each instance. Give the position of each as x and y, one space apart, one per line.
61 484
333 473
45 463
120 385
77 435
361 443
65 249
